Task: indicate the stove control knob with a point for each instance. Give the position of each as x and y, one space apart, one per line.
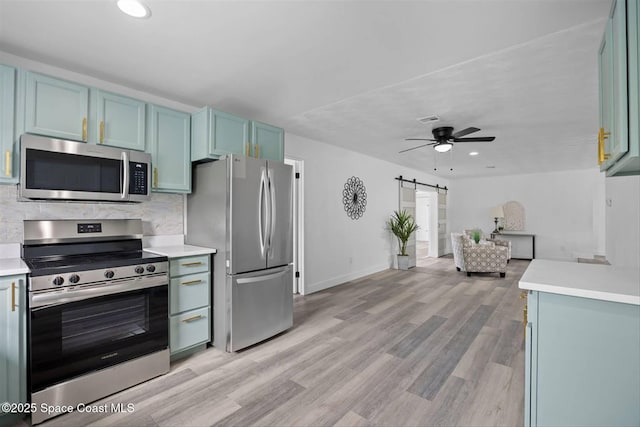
139 269
109 274
151 268
74 278
58 280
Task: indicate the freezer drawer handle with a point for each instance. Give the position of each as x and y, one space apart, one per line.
191 282
191 264
192 319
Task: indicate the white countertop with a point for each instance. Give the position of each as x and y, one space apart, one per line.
595 281
176 251
11 266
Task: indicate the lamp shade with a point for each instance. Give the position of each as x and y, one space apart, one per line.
497 212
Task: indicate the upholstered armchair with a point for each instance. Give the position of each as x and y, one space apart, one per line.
498 242
478 258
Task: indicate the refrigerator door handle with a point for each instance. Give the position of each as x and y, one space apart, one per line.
272 206
261 199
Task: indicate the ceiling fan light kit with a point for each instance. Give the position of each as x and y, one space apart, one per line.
443 147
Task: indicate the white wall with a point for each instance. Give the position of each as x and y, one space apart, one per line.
623 221
565 210
337 248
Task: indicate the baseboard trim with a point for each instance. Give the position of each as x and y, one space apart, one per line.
338 280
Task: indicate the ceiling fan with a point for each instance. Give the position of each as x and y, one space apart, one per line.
444 137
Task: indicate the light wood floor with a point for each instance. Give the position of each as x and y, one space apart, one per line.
423 347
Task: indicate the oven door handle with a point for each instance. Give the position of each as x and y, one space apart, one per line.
40 300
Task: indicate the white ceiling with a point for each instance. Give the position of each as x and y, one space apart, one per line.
352 73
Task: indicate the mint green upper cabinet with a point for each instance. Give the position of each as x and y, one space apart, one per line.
168 134
618 73
216 133
56 107
13 349
267 141
9 168
120 121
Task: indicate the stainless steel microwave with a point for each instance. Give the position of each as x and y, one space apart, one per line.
68 170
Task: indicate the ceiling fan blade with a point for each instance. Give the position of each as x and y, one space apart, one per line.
419 139
476 139
464 132
415 148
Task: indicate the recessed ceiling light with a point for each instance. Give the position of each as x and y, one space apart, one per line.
473 153
134 8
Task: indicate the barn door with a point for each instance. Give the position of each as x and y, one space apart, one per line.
408 203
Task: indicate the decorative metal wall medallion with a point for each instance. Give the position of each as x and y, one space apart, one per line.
354 197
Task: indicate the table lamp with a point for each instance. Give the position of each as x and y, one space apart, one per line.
497 212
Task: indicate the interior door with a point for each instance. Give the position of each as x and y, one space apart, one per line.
247 219
261 305
408 203
280 236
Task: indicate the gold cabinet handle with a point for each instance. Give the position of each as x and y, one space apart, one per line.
602 156
257 151
155 177
13 296
191 319
191 282
523 296
101 131
191 264
247 149
84 129
7 163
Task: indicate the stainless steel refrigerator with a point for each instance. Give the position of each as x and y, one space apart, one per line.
242 206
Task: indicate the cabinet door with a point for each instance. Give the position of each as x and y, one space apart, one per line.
12 342
8 170
120 121
169 145
267 142
56 107
605 76
229 134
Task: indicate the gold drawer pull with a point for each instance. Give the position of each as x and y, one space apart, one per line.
191 282
84 129
257 151
248 149
101 131
523 296
13 296
191 264
7 161
155 177
191 319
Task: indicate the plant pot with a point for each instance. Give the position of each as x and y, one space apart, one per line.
403 262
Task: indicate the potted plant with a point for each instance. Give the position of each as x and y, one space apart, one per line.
402 225
476 236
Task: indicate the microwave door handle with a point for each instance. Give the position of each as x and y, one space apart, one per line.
125 175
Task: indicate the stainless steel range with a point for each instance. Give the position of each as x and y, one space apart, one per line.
98 310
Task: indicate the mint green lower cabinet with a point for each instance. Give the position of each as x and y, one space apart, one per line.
582 362
189 303
9 158
120 121
267 141
216 133
13 349
169 142
55 107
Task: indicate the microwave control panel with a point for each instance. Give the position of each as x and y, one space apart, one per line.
138 174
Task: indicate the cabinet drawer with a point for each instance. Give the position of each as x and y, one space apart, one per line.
189 329
189 265
189 292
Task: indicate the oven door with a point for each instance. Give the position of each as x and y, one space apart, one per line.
80 331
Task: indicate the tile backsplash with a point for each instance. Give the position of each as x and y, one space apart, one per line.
162 215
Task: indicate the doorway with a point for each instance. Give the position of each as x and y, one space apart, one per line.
427 219
297 190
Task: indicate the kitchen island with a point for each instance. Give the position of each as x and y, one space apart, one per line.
582 357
